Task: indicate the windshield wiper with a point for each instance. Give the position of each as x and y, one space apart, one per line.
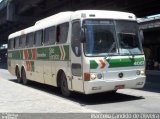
110 49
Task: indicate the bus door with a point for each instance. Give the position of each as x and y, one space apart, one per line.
76 57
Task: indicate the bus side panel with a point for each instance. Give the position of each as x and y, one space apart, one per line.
10 68
48 75
11 62
38 76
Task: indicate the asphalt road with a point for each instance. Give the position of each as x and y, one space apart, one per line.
39 98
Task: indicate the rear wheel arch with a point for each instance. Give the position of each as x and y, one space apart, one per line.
62 83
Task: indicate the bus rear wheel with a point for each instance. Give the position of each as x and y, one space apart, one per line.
23 76
64 86
18 75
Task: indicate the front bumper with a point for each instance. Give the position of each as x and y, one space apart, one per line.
98 86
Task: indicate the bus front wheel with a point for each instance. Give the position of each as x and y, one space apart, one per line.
64 86
23 76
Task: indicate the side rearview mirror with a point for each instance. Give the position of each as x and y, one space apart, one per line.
141 36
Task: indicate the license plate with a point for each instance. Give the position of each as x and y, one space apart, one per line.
119 87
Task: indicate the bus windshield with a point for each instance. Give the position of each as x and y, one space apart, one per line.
128 37
111 37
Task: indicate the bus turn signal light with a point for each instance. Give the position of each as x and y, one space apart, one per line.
86 76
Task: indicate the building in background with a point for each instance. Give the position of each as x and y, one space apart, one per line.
151 43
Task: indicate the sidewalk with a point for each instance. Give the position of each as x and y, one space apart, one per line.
4 74
17 98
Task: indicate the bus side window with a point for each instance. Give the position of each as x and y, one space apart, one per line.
20 42
75 39
49 34
23 41
38 37
12 43
58 34
62 33
30 40
27 41
16 42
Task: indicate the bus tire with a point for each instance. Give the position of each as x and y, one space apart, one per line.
24 78
64 86
18 75
113 92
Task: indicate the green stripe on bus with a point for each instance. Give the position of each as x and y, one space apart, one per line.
16 54
66 49
93 64
29 54
125 62
57 53
21 54
54 53
42 53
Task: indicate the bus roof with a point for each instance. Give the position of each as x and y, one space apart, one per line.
22 32
102 14
63 17
54 19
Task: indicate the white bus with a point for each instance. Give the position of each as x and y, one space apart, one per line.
87 51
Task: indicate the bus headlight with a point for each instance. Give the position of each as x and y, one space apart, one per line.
99 76
141 72
138 72
93 76
96 76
